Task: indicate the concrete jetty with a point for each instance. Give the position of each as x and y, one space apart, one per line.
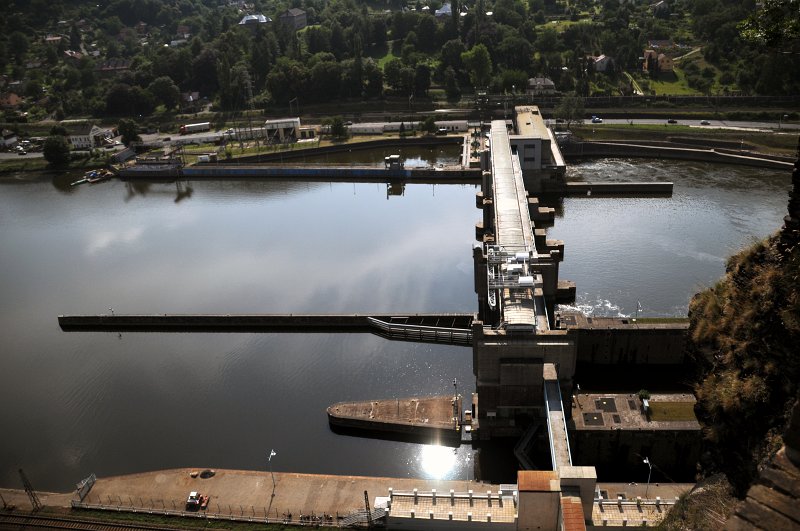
250 495
436 415
444 175
257 322
247 493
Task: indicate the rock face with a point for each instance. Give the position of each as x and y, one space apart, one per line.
773 502
790 232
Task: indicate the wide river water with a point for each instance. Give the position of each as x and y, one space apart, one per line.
76 403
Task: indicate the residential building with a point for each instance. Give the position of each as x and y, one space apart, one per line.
253 21
10 100
540 86
603 63
113 66
659 61
444 12
87 136
294 17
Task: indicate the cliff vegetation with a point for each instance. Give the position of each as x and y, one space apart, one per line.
745 338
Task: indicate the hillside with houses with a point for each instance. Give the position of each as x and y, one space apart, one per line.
133 58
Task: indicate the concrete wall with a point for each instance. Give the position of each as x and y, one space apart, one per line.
617 451
631 345
584 478
424 524
508 372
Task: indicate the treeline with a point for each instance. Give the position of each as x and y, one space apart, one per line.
356 49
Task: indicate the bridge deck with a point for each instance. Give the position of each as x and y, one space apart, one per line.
556 425
514 232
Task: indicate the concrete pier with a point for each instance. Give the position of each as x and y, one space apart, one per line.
257 322
244 493
444 175
437 415
619 188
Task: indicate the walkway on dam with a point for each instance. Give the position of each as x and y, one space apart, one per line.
515 250
556 421
449 328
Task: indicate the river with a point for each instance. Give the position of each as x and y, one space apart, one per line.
77 403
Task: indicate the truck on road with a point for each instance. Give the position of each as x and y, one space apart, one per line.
195 128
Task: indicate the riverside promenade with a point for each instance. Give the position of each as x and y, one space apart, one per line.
248 495
243 494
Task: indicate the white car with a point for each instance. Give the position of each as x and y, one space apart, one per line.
597 120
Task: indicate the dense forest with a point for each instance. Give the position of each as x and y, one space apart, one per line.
133 57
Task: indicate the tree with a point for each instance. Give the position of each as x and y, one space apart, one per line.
479 64
18 45
422 80
451 87
776 25
56 150
570 109
338 129
164 90
129 131
429 125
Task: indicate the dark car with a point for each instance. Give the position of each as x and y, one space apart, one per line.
672 121
22 152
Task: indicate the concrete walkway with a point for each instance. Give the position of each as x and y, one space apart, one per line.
250 493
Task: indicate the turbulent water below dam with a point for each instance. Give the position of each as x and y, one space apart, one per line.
77 403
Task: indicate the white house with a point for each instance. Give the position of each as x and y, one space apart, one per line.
87 136
445 11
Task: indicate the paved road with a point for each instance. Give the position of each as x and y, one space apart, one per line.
718 124
14 155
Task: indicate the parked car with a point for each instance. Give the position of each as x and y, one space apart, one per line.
21 152
705 122
672 121
597 120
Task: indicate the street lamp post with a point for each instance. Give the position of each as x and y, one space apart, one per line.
650 466
269 461
782 119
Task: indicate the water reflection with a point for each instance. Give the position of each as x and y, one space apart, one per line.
434 461
437 461
298 247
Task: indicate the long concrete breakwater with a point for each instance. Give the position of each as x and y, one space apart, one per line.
451 175
253 322
450 328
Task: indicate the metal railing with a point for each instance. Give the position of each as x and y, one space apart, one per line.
302 520
429 334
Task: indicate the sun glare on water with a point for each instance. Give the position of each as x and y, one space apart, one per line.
437 461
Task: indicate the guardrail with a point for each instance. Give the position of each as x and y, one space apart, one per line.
301 520
429 334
